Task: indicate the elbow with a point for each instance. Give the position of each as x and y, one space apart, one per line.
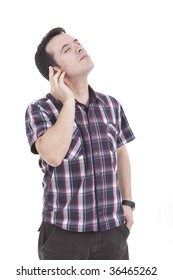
49 156
54 162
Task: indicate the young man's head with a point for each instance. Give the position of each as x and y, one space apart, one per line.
60 50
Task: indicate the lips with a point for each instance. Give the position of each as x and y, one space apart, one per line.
84 56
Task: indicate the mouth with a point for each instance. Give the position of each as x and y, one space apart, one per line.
83 57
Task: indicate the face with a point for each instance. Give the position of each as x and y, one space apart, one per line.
70 55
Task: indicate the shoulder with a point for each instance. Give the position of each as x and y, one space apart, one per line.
108 100
47 104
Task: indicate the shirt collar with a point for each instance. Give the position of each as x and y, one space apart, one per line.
94 96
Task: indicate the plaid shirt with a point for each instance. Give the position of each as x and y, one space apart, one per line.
82 193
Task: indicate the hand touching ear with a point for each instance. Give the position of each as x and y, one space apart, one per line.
58 87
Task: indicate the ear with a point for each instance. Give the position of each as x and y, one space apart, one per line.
56 68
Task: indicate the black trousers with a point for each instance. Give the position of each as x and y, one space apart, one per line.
57 244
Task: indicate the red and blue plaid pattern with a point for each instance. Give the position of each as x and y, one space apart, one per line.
82 194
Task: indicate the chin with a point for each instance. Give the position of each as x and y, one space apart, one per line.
91 68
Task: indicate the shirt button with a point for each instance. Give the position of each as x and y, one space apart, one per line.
98 174
95 153
100 212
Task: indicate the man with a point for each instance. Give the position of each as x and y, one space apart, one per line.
80 136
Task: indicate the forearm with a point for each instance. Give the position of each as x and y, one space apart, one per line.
124 173
54 143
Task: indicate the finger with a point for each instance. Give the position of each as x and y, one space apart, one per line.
52 80
61 77
51 72
57 74
128 226
56 77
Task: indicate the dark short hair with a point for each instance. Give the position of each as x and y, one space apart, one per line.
44 59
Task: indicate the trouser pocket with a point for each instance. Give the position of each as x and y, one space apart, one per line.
46 232
125 231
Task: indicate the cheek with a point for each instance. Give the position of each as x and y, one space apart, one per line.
66 66
70 68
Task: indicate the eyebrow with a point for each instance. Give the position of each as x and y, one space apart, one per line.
75 40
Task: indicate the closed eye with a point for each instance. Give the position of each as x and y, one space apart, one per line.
67 50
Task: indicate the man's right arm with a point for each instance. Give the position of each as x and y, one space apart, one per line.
55 142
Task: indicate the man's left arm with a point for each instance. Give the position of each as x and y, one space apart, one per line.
124 178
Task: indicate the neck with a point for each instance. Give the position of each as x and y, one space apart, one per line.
81 91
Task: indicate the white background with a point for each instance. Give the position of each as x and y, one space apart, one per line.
131 44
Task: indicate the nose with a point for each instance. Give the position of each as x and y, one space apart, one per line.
79 48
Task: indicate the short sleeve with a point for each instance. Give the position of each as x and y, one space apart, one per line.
125 134
37 121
